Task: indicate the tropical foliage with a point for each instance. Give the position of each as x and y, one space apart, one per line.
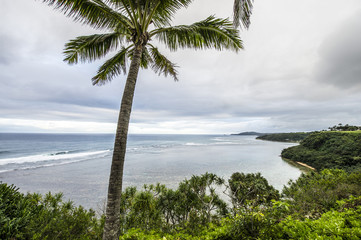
33 216
328 149
328 203
284 137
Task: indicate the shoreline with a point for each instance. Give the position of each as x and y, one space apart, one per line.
307 166
302 166
277 141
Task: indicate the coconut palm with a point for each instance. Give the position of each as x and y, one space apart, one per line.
131 26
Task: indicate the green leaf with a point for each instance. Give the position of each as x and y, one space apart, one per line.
90 48
210 33
112 67
161 64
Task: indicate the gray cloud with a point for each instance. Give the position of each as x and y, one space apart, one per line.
270 86
340 56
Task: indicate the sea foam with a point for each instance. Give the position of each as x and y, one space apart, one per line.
50 157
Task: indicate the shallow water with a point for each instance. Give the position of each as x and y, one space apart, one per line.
79 165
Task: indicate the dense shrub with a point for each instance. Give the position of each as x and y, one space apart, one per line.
315 193
334 224
192 206
33 216
250 189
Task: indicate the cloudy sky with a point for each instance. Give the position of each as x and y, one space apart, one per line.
300 71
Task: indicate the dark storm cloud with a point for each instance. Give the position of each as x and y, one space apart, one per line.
340 54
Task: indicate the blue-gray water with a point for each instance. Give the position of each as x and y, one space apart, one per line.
78 165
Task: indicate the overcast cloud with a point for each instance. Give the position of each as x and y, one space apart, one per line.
300 71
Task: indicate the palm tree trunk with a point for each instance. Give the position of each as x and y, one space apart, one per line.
112 221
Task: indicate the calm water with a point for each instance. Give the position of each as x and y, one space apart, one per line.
79 165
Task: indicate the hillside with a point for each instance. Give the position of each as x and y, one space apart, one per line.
284 137
248 134
328 149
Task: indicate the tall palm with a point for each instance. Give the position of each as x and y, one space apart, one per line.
131 26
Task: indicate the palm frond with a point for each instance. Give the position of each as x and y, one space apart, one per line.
161 64
160 12
242 11
112 67
210 33
166 9
90 48
145 60
91 12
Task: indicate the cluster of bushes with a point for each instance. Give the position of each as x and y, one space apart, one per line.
326 205
323 150
284 137
32 216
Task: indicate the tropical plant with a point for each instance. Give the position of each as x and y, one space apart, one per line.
250 190
33 216
131 26
315 193
328 149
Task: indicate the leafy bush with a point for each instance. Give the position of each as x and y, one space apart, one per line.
192 206
250 189
333 224
32 216
16 212
315 193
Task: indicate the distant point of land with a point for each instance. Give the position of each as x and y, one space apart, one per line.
249 134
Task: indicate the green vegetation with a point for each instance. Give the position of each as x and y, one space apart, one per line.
328 149
284 137
346 127
325 205
33 216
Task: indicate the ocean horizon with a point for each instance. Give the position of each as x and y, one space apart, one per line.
78 165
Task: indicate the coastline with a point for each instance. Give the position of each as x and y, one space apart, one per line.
290 141
307 166
302 166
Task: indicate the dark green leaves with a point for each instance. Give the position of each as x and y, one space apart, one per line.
128 22
161 64
111 68
210 33
90 48
91 12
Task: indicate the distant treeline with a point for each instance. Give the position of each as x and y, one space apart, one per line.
285 137
328 149
346 127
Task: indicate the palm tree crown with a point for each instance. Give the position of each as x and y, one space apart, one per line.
136 23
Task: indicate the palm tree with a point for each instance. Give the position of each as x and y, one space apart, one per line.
131 26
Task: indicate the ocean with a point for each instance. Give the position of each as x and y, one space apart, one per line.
78 165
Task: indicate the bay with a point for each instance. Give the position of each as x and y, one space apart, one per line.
78 165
